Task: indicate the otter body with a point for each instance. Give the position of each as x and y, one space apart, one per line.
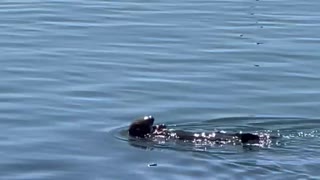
144 128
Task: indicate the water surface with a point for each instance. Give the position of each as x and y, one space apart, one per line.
75 73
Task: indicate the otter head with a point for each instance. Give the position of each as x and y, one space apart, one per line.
141 127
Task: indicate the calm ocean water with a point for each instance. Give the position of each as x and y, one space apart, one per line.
75 73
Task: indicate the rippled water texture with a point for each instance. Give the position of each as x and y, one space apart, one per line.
75 73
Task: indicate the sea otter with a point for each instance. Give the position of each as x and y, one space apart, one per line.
144 128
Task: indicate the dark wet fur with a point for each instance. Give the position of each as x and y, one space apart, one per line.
144 128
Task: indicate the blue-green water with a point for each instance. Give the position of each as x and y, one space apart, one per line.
75 73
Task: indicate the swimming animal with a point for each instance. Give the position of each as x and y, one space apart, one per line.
144 128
